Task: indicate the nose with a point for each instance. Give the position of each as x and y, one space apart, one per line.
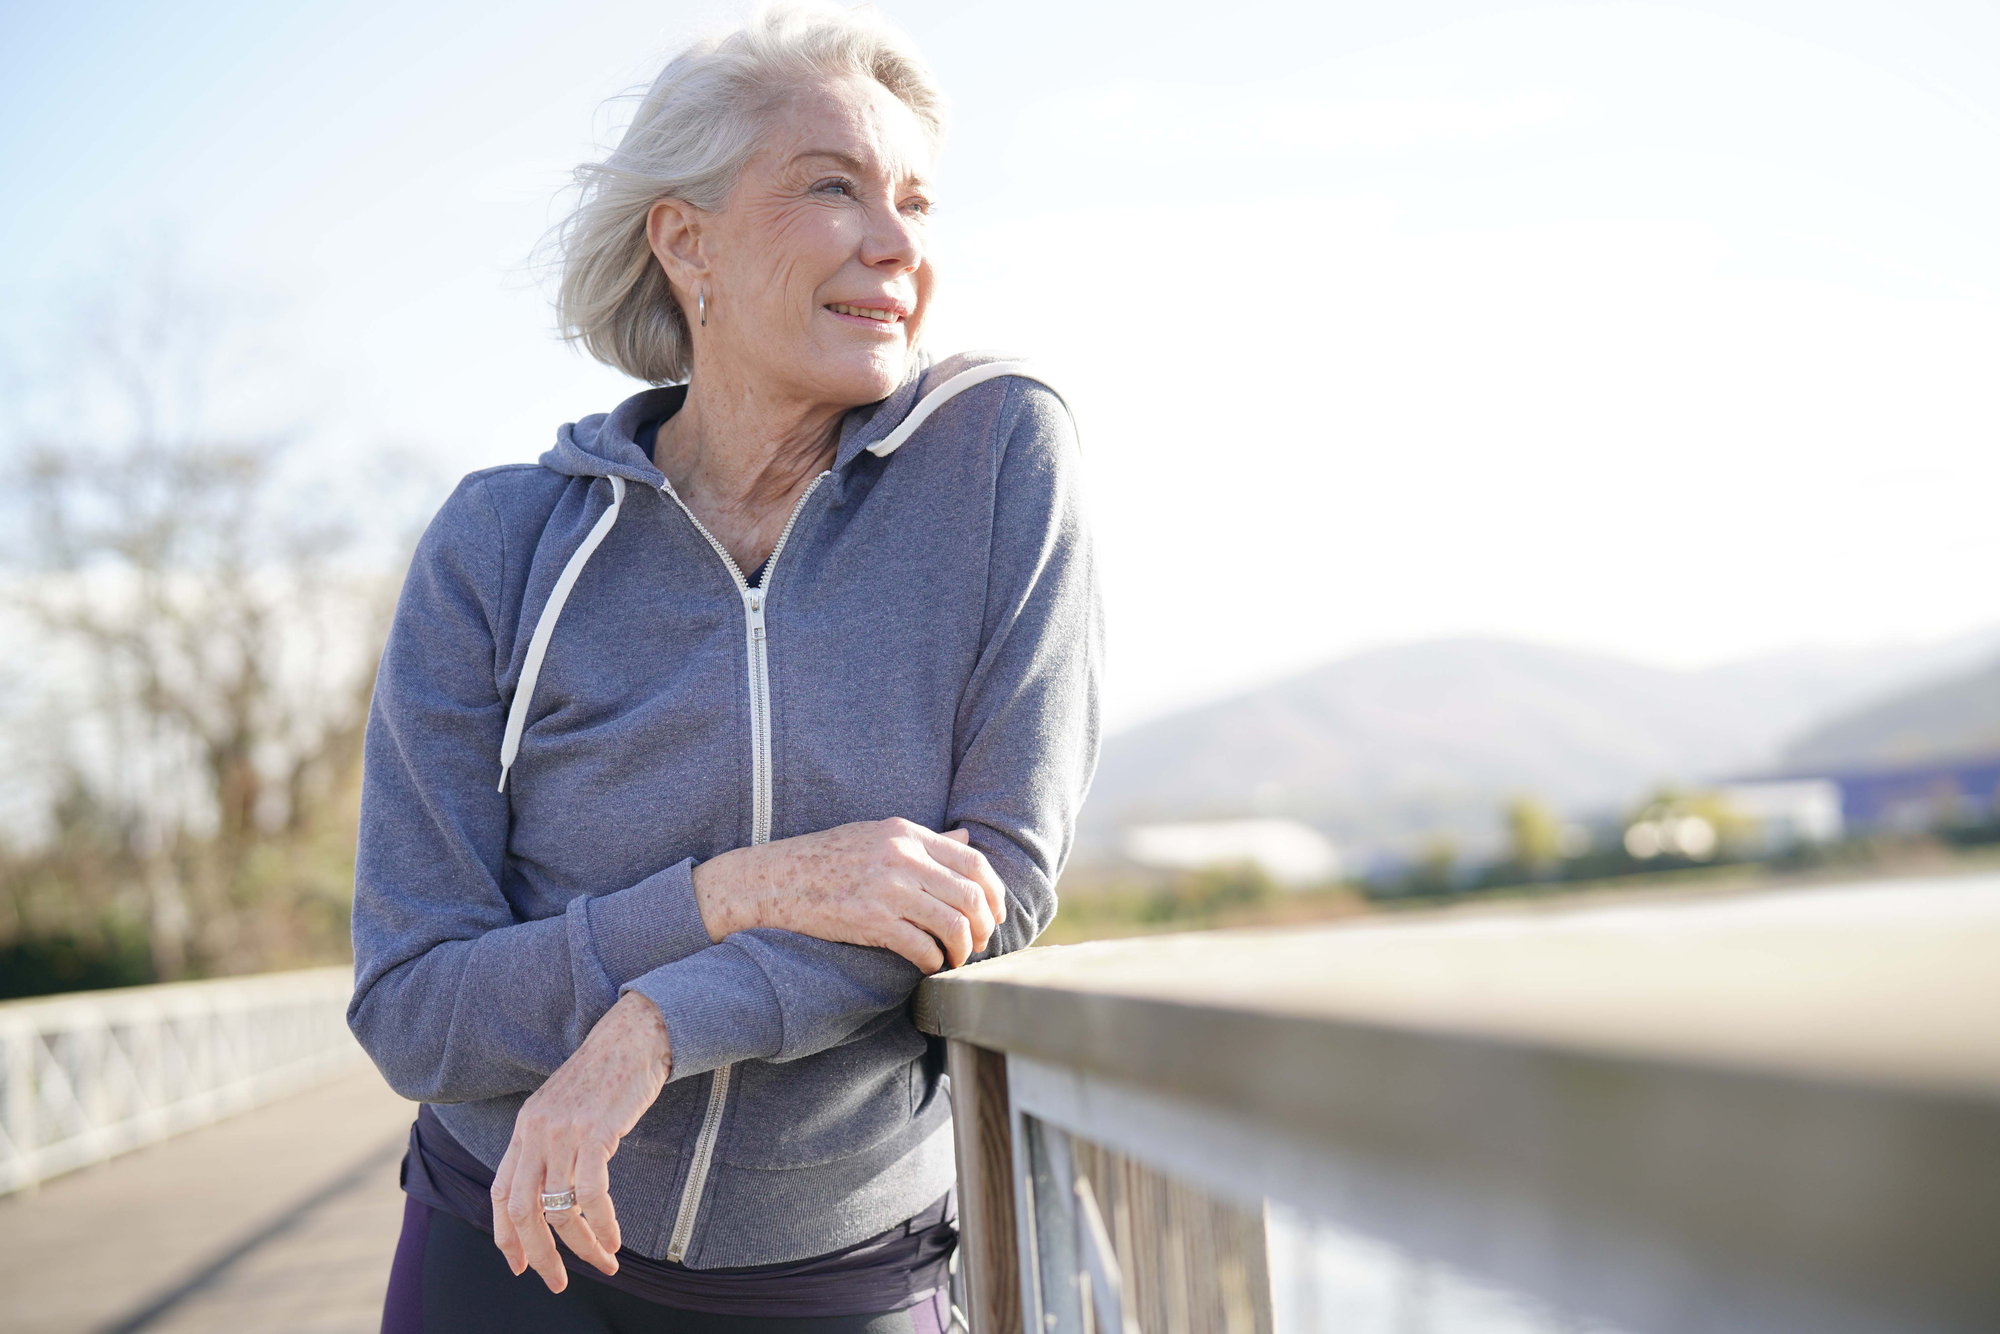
893 242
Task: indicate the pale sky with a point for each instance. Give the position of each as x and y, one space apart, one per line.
1668 331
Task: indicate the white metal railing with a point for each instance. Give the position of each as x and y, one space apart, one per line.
88 1075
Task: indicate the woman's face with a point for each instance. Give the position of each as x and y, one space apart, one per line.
817 268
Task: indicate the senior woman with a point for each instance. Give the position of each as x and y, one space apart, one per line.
697 744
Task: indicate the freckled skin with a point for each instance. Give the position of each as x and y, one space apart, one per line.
831 209
564 1138
930 897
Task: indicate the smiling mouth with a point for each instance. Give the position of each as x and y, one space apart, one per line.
879 314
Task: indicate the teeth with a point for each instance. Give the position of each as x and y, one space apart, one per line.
883 315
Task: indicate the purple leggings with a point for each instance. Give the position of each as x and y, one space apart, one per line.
449 1278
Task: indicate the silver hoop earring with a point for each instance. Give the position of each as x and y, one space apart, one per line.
701 300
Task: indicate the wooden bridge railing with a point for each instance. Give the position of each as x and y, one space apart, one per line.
1765 1115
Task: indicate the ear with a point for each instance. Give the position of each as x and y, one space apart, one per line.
674 232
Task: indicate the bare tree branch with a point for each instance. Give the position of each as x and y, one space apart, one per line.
208 649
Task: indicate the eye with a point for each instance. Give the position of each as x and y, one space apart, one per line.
918 205
836 185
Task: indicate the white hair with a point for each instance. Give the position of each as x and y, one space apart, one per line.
696 128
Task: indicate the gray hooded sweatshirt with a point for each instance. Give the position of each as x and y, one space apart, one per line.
581 698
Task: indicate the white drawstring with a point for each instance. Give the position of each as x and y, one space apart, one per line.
545 628
951 388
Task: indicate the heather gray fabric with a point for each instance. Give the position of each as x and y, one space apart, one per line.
935 643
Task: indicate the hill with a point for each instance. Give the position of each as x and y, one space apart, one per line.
1384 747
1944 720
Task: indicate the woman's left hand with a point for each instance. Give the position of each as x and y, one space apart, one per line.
565 1135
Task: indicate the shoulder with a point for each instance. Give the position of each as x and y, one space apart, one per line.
497 502
515 490
1020 430
1016 401
1040 419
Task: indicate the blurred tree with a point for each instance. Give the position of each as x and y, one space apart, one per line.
1436 870
205 647
1534 837
1698 826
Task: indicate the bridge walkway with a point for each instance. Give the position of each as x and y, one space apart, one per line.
280 1219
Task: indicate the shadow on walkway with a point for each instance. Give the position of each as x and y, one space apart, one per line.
214 1276
281 1219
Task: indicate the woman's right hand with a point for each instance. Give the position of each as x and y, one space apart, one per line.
932 898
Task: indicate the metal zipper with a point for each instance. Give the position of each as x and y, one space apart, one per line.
697 1177
760 828
760 715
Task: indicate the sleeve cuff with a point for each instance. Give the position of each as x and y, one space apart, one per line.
719 1009
643 926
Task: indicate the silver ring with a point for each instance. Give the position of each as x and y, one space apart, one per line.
559 1203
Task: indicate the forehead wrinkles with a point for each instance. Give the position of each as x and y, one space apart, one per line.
856 120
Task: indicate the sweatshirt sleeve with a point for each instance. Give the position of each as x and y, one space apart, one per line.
1024 748
456 997
1027 730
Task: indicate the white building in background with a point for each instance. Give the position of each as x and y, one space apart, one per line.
1789 812
1291 853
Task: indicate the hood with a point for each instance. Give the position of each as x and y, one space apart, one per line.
605 444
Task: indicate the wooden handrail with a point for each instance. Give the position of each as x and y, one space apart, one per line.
1702 1083
1869 985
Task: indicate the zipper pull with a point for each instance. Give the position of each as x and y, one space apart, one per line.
753 598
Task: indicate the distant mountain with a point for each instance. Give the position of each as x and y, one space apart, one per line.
1384 747
1944 720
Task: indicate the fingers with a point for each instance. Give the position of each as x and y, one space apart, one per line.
914 944
591 1229
524 1210
570 1225
865 883
996 890
962 899
577 1233
976 915
504 1235
942 921
960 878
968 898
971 863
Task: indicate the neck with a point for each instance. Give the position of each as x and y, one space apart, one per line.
735 445
739 456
